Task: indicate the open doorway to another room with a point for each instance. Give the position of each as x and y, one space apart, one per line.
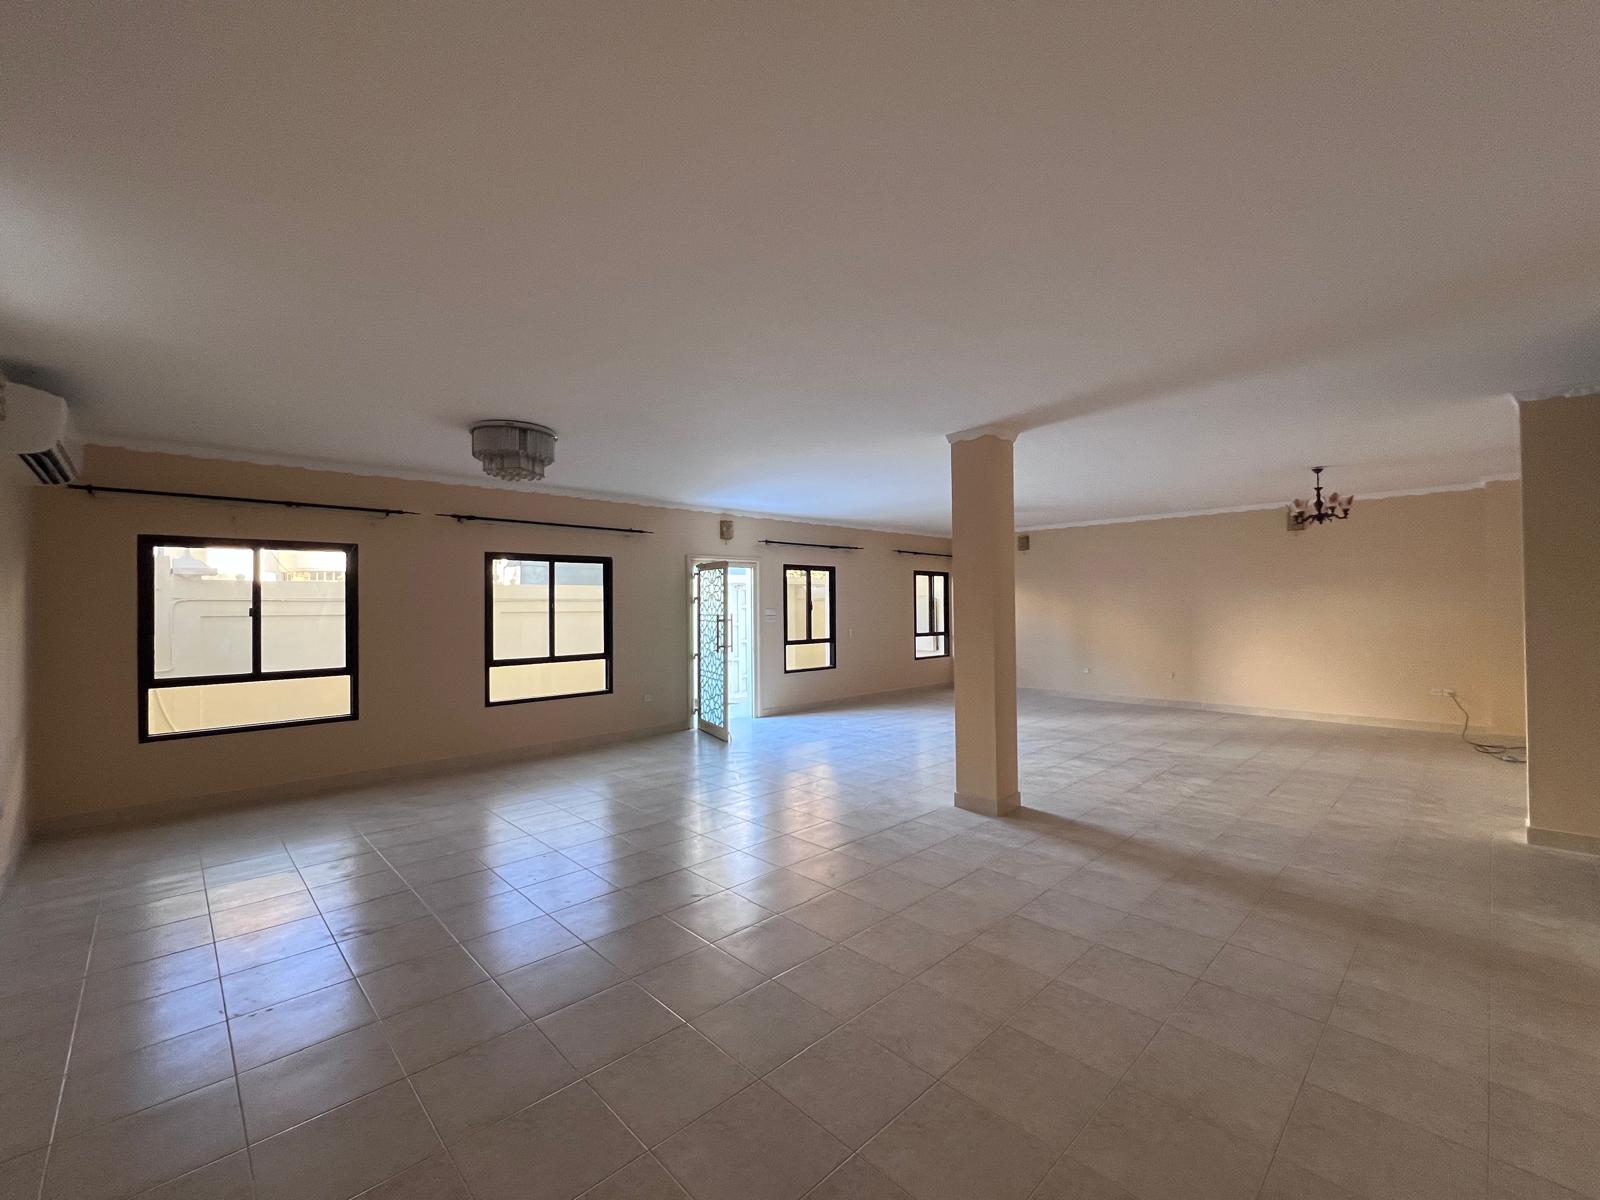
740 639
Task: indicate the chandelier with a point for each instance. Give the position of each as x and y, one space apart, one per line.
517 451
1319 511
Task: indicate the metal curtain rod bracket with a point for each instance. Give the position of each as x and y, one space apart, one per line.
460 518
95 489
926 553
809 545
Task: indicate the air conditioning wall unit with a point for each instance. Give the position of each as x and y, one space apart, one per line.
37 428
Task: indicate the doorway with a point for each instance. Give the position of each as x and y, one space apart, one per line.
739 638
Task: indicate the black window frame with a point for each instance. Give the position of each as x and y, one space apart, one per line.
550 560
832 640
917 616
146 655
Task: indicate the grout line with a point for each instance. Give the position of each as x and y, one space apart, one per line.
72 1037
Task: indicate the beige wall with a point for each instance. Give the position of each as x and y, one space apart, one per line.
1355 620
14 505
421 631
1561 533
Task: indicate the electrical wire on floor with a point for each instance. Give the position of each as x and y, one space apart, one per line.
1510 752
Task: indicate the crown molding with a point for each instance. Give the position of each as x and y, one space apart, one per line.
1244 508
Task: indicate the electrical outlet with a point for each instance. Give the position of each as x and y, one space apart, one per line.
1441 691
1088 671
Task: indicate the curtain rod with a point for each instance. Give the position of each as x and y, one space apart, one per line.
810 545
95 489
926 553
461 517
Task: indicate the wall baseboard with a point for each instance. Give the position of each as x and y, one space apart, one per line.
1287 714
1555 839
849 701
300 789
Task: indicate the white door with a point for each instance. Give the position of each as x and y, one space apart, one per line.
711 647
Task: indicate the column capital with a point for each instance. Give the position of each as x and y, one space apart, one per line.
1570 392
982 431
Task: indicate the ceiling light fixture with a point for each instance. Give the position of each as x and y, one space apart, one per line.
1319 511
517 451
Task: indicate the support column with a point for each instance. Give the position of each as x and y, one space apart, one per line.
984 621
1561 615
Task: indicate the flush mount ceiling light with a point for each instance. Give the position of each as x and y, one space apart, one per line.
517 451
1319 512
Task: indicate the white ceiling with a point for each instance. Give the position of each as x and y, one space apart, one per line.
763 256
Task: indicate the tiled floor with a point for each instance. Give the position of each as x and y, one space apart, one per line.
1216 956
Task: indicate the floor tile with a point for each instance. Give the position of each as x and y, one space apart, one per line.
343 1152
1287 985
1235 1093
130 1082
1039 1089
417 980
1373 1155
1176 949
491 1081
984 981
857 1179
1252 1027
1545 1139
648 944
312 1081
755 1146
1029 944
552 1150
946 1146
146 1148
1098 1032
665 1084
434 1178
541 988
841 982
774 945
443 1028
642 1179
926 1028
607 1025
518 945
849 1085
284 979
699 981
765 1026
836 915
270 1033
903 945
1135 983
1159 1152
1405 1086
718 916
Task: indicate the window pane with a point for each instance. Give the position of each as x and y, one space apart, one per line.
922 602
302 609
521 608
533 681
930 646
810 657
821 616
580 608
201 610
794 583
258 702
939 602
